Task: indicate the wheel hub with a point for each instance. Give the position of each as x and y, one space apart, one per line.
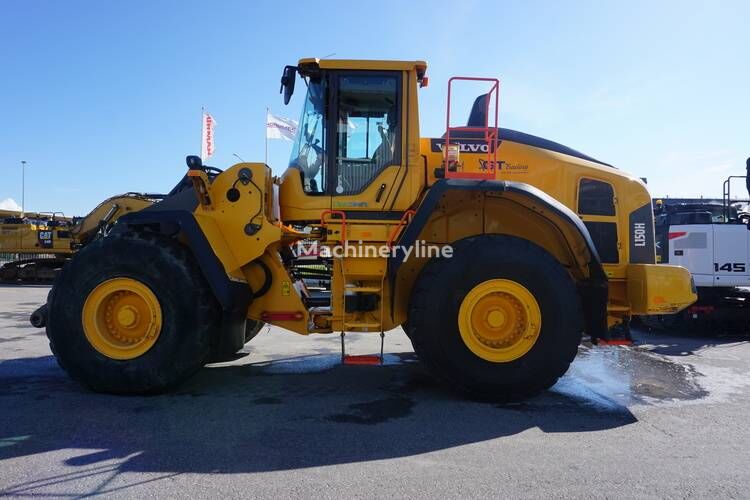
496 318
499 320
122 318
127 317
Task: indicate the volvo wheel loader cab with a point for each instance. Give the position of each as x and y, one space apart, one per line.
495 250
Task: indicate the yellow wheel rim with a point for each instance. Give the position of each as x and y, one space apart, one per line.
122 318
499 320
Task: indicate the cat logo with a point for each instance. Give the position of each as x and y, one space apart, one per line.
45 238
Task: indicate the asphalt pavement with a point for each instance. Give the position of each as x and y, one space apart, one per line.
666 418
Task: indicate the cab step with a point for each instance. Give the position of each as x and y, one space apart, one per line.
362 324
361 359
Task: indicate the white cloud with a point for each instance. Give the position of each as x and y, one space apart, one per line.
10 204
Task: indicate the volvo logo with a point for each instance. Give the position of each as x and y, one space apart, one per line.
465 145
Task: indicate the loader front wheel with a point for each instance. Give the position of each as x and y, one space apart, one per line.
132 313
500 320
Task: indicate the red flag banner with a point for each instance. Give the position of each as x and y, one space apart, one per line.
207 137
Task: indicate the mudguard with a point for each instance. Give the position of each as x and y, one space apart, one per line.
173 216
593 291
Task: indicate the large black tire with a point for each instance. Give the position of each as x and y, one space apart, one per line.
434 311
190 314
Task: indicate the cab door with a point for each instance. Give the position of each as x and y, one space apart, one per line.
304 194
367 142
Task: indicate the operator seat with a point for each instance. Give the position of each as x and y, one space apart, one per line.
383 155
356 175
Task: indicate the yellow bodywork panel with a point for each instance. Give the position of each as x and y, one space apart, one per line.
658 289
559 176
283 296
295 204
224 222
225 225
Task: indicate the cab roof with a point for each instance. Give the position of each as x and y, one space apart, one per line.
311 64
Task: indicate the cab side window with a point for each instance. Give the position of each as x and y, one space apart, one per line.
595 198
368 129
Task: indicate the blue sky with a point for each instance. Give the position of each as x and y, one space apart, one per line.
104 97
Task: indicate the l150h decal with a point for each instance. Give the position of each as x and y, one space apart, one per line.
641 235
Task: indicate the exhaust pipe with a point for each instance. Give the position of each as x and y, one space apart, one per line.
38 318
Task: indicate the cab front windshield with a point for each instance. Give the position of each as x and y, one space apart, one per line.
308 153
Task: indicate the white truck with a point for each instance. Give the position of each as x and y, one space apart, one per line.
711 238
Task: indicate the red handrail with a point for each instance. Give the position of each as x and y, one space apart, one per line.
401 221
490 133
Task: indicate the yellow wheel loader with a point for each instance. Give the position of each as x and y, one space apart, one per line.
495 250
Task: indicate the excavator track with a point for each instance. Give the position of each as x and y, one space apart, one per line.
41 270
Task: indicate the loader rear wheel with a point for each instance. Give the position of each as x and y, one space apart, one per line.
132 313
501 320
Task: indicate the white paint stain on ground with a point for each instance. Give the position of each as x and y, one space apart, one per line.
606 378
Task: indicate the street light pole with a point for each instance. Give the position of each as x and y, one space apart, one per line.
23 185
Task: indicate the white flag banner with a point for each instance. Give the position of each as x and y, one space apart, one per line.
207 137
280 128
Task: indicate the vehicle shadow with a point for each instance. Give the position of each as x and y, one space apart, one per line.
19 316
245 418
687 343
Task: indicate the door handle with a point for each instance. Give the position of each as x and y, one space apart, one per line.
381 190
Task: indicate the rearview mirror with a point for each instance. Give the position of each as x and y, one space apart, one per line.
194 162
288 78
